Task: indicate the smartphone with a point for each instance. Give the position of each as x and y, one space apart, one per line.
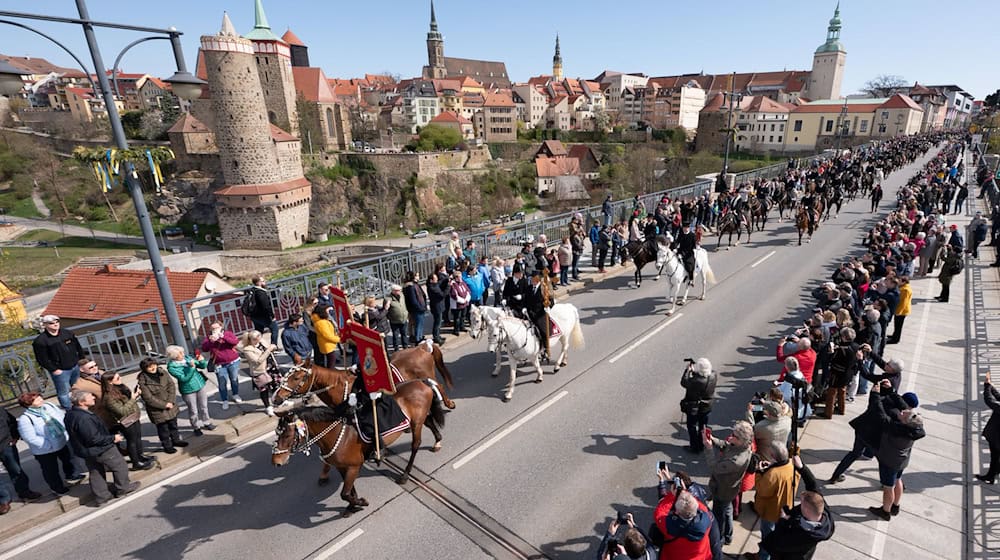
757 408
661 466
622 517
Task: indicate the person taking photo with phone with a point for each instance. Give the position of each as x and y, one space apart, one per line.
699 383
633 543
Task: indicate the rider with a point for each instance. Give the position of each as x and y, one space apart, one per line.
649 232
809 203
685 245
536 304
515 288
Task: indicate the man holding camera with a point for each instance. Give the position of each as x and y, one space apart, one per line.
775 490
728 460
843 364
683 526
801 528
699 382
633 543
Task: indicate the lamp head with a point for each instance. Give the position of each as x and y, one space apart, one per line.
10 79
185 86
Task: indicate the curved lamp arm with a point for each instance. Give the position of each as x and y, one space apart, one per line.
58 44
114 69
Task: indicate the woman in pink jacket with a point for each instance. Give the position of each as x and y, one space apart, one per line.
220 346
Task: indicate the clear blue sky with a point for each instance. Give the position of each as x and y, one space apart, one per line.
926 40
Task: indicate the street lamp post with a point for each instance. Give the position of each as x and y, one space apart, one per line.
734 97
842 124
184 85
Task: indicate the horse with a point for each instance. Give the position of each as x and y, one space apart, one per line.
515 336
641 255
339 443
418 399
759 208
669 259
802 223
786 201
733 222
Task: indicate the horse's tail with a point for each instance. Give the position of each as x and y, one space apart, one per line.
709 275
439 364
576 336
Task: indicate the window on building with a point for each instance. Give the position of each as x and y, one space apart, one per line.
772 128
779 139
770 139
796 139
798 126
781 128
829 126
249 230
864 126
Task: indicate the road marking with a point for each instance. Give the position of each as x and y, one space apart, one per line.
878 545
119 503
911 376
340 544
762 259
651 334
507 431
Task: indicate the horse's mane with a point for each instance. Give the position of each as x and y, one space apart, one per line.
320 413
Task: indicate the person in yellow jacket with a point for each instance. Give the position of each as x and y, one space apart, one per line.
327 337
902 309
775 489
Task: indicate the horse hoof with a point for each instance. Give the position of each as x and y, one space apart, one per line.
323 481
403 479
564 364
669 313
450 404
554 370
436 448
494 374
362 502
506 398
539 380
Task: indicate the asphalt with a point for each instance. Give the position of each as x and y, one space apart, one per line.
544 473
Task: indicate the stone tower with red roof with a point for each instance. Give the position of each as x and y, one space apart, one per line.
265 203
828 63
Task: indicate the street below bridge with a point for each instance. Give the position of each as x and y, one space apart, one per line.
539 476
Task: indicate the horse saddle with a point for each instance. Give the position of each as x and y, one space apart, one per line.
391 418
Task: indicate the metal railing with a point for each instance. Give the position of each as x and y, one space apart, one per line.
119 343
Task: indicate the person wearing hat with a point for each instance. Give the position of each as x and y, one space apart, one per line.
977 234
955 240
515 287
685 245
536 303
58 351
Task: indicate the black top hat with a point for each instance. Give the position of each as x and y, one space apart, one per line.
517 268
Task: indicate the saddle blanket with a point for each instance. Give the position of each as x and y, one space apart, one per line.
396 376
554 330
391 418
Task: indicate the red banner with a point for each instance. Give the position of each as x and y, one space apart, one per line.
373 362
341 309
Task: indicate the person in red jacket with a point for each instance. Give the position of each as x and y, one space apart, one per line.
685 524
803 353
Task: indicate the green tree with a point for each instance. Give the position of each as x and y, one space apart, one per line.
132 123
437 138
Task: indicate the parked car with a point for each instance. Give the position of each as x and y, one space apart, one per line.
420 234
484 223
173 232
517 216
500 219
446 231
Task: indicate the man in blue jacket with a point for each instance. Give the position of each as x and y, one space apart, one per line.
90 439
595 242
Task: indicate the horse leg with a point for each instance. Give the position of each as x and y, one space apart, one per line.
538 367
563 344
704 284
513 375
324 476
348 493
499 358
414 447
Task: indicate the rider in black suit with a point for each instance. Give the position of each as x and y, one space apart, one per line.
515 289
685 246
536 303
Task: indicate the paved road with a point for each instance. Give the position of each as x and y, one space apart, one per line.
592 435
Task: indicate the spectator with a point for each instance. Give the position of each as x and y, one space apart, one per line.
295 338
774 427
796 535
951 266
867 429
565 261
475 282
416 304
454 246
892 370
699 383
595 242
263 312
221 349
12 463
437 296
90 380
260 364
498 279
398 317
728 460
606 210
470 254
604 243
776 481
484 272
192 386
955 240
685 525
307 319
902 310
843 365
899 429
803 354
43 429
460 296
327 337
92 441
632 544
57 350
793 389
375 317
121 404
159 394
991 432
323 295
577 239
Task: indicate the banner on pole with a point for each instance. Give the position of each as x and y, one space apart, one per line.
373 362
341 309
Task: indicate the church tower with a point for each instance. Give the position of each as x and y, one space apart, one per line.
300 52
274 65
557 73
435 68
265 201
828 63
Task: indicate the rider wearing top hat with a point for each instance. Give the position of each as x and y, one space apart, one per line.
685 245
515 289
536 303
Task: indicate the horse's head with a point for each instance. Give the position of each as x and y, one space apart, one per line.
296 383
662 254
291 431
475 321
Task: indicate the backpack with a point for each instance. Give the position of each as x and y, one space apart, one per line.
981 231
249 304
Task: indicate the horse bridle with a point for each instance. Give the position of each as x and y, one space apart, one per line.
302 432
294 393
672 256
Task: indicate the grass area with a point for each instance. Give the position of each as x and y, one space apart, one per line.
353 238
36 264
21 207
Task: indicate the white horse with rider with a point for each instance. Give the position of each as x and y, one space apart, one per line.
516 337
669 262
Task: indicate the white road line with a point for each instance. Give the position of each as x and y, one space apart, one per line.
762 259
117 504
340 544
914 365
878 544
507 431
637 343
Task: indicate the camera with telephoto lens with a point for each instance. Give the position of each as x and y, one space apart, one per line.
757 402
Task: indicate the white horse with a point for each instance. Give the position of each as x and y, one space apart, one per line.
516 336
670 262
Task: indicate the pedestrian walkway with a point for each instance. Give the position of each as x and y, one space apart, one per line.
936 345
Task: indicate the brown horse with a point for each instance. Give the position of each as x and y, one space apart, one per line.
804 225
643 253
332 386
339 443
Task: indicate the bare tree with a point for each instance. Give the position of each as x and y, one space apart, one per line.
884 85
642 163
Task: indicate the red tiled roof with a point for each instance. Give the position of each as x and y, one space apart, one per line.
125 76
900 101
279 135
555 167
257 190
312 84
81 92
470 83
554 147
498 98
187 124
160 83
34 65
761 104
450 117
379 79
93 294
292 39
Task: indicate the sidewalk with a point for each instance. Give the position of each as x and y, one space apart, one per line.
242 422
932 521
